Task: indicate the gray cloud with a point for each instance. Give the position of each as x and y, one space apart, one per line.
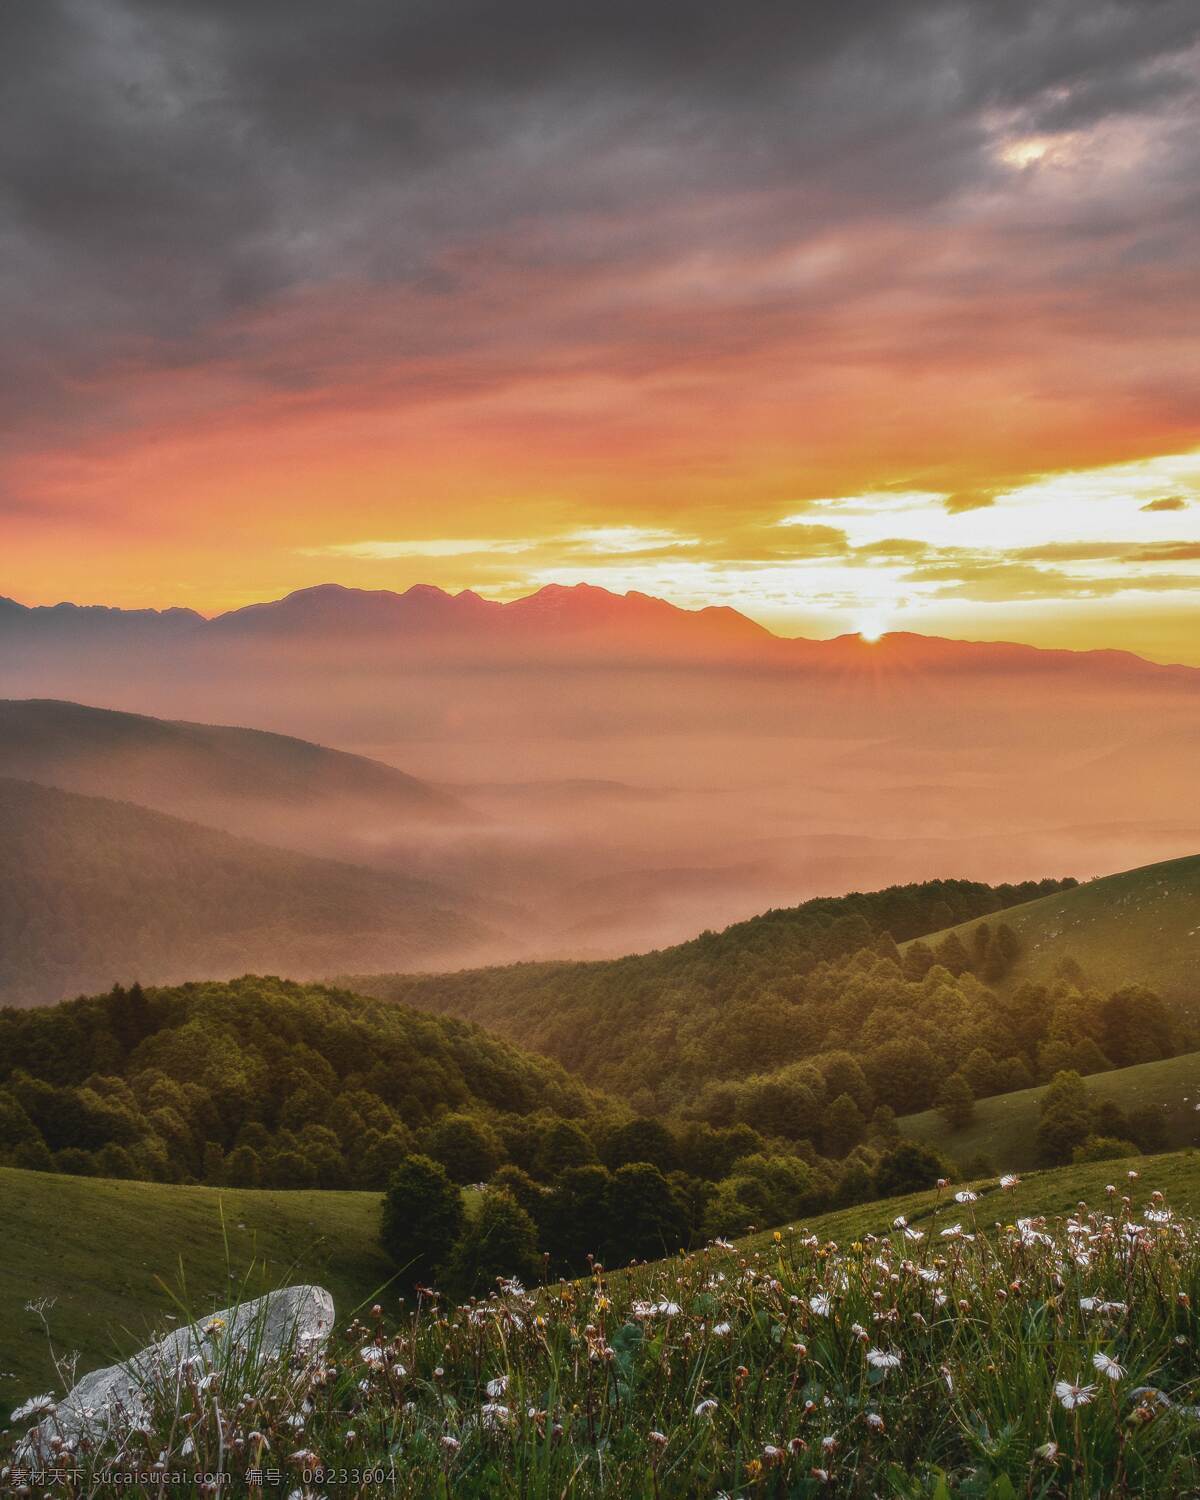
172 169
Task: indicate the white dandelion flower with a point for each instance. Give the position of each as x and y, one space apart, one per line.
966 1196
1009 1181
1106 1365
883 1359
494 1415
496 1388
1072 1396
821 1304
36 1406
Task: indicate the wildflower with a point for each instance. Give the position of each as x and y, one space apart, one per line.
952 1232
706 1406
883 1359
659 1439
1072 1396
1048 1451
36 1406
214 1326
828 1443
450 1444
1009 1181
820 1475
495 1415
496 1388
371 1354
874 1421
721 1329
966 1196
899 1222
1106 1365
821 1304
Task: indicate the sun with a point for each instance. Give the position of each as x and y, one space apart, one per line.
872 627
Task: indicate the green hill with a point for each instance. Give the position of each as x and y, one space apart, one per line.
1141 926
1004 1126
655 1027
107 1256
261 1082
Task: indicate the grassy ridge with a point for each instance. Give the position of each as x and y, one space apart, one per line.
1139 927
1004 1127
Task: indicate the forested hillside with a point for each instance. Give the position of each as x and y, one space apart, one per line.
258 1081
94 891
655 1026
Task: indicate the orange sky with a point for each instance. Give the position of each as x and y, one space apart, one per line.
912 350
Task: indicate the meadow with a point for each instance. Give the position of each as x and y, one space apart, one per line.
965 1347
1003 1128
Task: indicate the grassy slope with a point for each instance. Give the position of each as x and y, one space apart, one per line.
1004 1127
100 1247
1056 1191
1141 926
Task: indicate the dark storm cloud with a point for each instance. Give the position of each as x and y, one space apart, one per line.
170 171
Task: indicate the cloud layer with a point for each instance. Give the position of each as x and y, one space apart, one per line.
287 281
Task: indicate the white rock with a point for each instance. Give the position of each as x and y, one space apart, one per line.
296 1318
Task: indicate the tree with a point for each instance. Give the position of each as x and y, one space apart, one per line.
1147 1129
575 1223
645 1221
1136 1027
843 1074
952 955
956 1102
563 1145
983 1073
884 1128
1103 1148
903 1071
642 1140
908 1168
422 1218
243 1168
1066 1119
498 1241
468 1150
918 960
843 1127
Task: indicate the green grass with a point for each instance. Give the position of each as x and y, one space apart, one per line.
102 1250
1004 1127
109 1254
1053 1361
1057 1190
1141 926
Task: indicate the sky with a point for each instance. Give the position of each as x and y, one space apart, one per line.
863 316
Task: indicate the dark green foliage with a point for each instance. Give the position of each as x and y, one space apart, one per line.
646 1221
422 1218
907 1168
843 1126
265 1082
1103 1148
1147 1129
577 1218
747 1001
642 1140
1136 1027
956 1102
1066 1118
469 1151
499 1242
564 1145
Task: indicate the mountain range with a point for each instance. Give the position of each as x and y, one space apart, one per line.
579 615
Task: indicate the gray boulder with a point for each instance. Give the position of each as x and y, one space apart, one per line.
296 1319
